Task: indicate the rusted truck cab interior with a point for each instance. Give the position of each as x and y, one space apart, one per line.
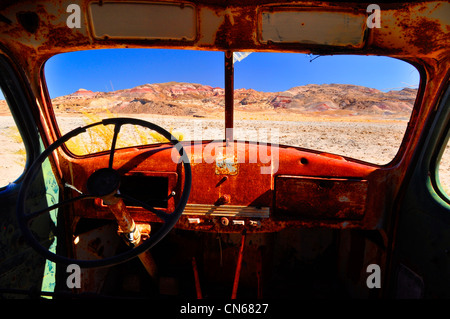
211 217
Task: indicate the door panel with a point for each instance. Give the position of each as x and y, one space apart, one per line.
421 255
21 268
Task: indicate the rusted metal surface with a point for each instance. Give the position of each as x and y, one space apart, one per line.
298 197
238 267
198 288
125 222
230 197
227 25
226 165
417 32
247 199
229 95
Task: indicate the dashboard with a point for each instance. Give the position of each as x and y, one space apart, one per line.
231 191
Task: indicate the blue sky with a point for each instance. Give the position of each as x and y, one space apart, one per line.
108 70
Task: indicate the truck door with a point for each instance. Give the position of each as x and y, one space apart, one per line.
420 264
22 270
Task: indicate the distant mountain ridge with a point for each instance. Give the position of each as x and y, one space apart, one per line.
176 98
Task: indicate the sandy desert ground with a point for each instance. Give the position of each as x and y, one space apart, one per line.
375 140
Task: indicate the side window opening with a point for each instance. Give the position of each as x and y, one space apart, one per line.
12 149
444 168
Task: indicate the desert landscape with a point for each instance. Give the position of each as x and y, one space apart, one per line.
347 120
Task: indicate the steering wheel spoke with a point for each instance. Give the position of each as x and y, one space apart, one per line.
33 215
117 128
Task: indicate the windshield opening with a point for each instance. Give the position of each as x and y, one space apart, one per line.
353 106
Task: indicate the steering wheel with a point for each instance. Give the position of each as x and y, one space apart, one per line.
103 183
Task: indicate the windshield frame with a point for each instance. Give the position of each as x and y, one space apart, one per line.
229 109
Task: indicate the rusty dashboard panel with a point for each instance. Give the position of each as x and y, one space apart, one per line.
302 197
295 195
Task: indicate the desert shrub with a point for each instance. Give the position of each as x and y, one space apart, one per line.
99 138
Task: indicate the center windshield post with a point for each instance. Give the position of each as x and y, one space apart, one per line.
229 95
